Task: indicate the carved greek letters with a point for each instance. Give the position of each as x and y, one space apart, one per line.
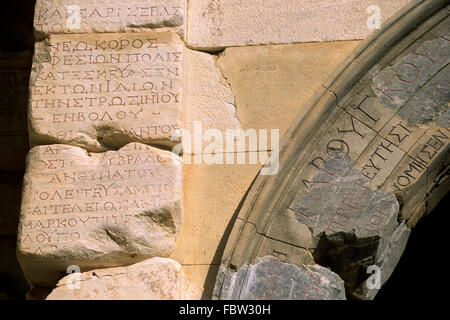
124 204
51 16
88 90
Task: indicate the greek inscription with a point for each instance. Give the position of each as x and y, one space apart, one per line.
130 82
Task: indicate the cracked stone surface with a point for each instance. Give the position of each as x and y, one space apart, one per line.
214 24
342 201
115 75
152 279
250 71
97 16
273 83
270 279
102 91
209 99
359 169
10 190
351 224
417 84
97 210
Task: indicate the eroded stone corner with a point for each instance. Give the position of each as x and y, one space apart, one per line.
417 84
353 226
210 102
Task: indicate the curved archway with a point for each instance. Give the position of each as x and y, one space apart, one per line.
356 173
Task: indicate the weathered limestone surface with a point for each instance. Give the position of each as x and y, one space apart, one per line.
96 16
252 88
417 84
208 214
97 210
152 279
202 276
272 84
106 75
215 24
363 165
103 91
12 282
14 74
270 279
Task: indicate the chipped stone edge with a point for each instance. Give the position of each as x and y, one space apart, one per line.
229 278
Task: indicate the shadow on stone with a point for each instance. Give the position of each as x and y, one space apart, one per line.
213 270
424 252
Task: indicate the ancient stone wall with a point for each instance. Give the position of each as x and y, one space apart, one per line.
105 98
356 173
127 183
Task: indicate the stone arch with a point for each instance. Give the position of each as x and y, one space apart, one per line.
324 205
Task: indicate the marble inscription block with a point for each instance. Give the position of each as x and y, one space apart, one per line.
97 210
94 16
102 91
152 279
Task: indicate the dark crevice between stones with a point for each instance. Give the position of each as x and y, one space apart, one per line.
421 271
347 256
16 19
350 258
214 51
